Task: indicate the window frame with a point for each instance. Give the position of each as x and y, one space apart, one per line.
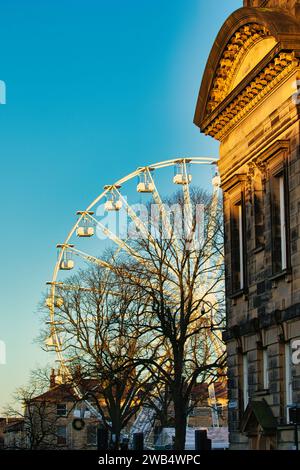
279 177
61 415
265 369
274 161
245 365
271 162
89 426
238 288
288 376
59 437
259 208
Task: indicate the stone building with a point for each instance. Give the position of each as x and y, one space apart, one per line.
54 419
249 101
14 435
205 413
11 433
57 419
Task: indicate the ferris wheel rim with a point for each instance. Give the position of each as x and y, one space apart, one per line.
130 176
134 174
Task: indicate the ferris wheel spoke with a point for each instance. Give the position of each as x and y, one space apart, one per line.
119 242
77 288
149 283
212 274
218 344
56 286
138 222
214 337
213 207
189 227
212 221
92 259
99 262
171 233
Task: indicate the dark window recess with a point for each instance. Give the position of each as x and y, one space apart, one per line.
91 434
237 247
278 214
241 408
259 216
61 432
61 409
261 287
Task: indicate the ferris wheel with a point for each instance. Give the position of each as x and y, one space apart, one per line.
149 183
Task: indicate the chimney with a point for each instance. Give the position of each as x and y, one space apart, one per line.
52 378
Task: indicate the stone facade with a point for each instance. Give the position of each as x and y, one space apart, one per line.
12 433
50 421
249 101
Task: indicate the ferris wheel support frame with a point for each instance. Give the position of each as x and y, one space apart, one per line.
122 245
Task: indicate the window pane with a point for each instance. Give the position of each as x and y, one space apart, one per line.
92 434
237 250
282 222
245 381
61 409
259 215
279 253
61 432
288 375
265 369
241 241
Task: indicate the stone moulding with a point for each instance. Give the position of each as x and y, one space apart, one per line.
266 320
230 88
240 43
276 71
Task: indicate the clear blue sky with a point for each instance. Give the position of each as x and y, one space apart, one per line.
95 88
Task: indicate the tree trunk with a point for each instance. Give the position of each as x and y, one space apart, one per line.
180 404
180 410
116 430
117 436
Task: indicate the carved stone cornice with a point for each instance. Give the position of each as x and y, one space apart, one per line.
234 181
240 43
277 146
261 85
261 166
250 175
275 27
261 159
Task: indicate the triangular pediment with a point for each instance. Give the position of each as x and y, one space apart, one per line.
252 50
250 58
258 414
246 44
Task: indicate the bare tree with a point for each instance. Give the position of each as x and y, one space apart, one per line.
37 413
181 279
102 341
151 317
